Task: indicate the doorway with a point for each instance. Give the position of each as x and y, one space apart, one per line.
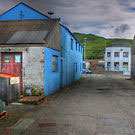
11 63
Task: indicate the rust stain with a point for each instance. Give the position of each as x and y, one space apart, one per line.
45 43
47 124
42 61
26 49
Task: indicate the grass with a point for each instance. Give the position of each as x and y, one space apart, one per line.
95 45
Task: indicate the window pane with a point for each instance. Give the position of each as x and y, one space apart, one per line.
108 54
7 58
116 65
76 45
72 44
55 63
125 66
53 67
108 65
125 54
116 54
17 58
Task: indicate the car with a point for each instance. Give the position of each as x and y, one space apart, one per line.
86 71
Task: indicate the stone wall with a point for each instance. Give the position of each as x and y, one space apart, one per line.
32 64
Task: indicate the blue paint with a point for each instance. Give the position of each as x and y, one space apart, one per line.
51 79
126 71
84 65
22 12
69 59
72 58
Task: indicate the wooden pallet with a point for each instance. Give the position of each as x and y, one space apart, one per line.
3 114
32 100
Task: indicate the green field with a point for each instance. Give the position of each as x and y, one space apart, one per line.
95 45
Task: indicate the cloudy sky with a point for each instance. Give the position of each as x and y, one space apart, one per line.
107 18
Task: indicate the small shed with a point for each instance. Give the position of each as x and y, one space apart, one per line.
27 48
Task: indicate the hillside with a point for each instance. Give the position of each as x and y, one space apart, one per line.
95 45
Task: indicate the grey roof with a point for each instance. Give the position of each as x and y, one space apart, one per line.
26 31
120 43
28 37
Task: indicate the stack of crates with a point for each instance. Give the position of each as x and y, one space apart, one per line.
3 112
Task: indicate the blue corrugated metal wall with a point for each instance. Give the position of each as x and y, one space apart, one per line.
52 79
72 58
21 12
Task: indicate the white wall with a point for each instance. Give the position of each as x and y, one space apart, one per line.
32 64
121 59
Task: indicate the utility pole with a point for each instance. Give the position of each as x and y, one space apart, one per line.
105 43
85 47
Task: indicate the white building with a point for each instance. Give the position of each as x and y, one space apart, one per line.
118 59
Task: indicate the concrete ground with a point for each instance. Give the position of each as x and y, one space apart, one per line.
97 104
15 112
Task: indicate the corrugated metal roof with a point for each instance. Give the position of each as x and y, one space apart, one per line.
120 43
28 37
13 32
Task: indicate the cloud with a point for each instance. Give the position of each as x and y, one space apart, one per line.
122 28
107 18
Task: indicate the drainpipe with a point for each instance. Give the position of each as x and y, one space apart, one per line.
131 60
44 66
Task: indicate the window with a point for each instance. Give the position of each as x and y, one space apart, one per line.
7 58
76 46
76 67
55 64
116 66
71 44
84 66
125 66
125 54
108 66
17 58
116 54
108 63
108 54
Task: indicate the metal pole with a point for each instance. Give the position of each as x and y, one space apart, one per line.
85 48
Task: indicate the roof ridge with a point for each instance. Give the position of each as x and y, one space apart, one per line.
27 6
